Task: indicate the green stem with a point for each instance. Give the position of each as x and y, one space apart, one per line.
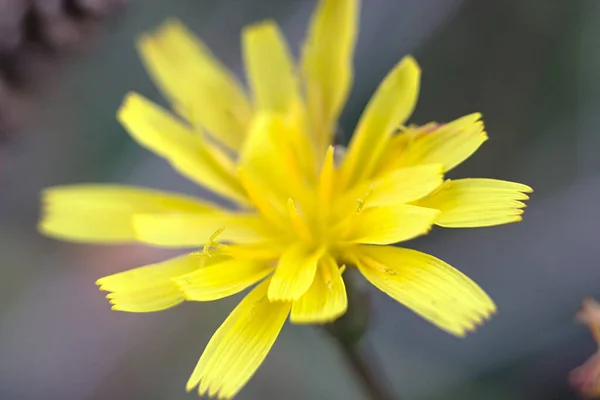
348 331
363 367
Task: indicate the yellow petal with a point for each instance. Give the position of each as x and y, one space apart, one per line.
448 144
273 160
191 77
326 181
326 299
392 104
298 222
154 128
148 288
468 203
295 273
264 197
193 230
240 345
399 186
426 285
223 279
261 251
270 68
327 64
390 224
104 213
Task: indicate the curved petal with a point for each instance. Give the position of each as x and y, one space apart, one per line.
200 86
470 203
392 104
327 64
294 274
149 288
326 298
270 68
104 213
240 345
426 285
390 224
157 130
222 280
447 144
193 230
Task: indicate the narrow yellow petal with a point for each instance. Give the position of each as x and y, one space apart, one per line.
104 213
149 288
326 299
261 251
263 197
270 68
191 77
399 186
295 273
469 203
272 159
390 224
298 223
154 128
428 286
222 280
447 144
239 346
193 230
392 104
327 64
326 184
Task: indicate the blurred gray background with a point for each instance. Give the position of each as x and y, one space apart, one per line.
531 67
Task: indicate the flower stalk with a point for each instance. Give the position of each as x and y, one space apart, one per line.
349 331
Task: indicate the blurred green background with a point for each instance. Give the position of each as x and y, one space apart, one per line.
531 67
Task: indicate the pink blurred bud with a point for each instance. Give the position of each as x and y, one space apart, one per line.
586 378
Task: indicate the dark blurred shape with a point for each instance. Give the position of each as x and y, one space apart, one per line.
35 36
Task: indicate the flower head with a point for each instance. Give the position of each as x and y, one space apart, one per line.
302 212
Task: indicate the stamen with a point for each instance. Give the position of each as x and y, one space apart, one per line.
210 248
362 201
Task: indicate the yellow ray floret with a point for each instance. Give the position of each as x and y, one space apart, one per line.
390 224
193 229
239 346
392 104
327 65
222 279
154 128
200 87
446 144
326 298
104 213
270 68
426 285
295 272
469 203
148 288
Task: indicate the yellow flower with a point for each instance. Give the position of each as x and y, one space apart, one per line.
301 211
